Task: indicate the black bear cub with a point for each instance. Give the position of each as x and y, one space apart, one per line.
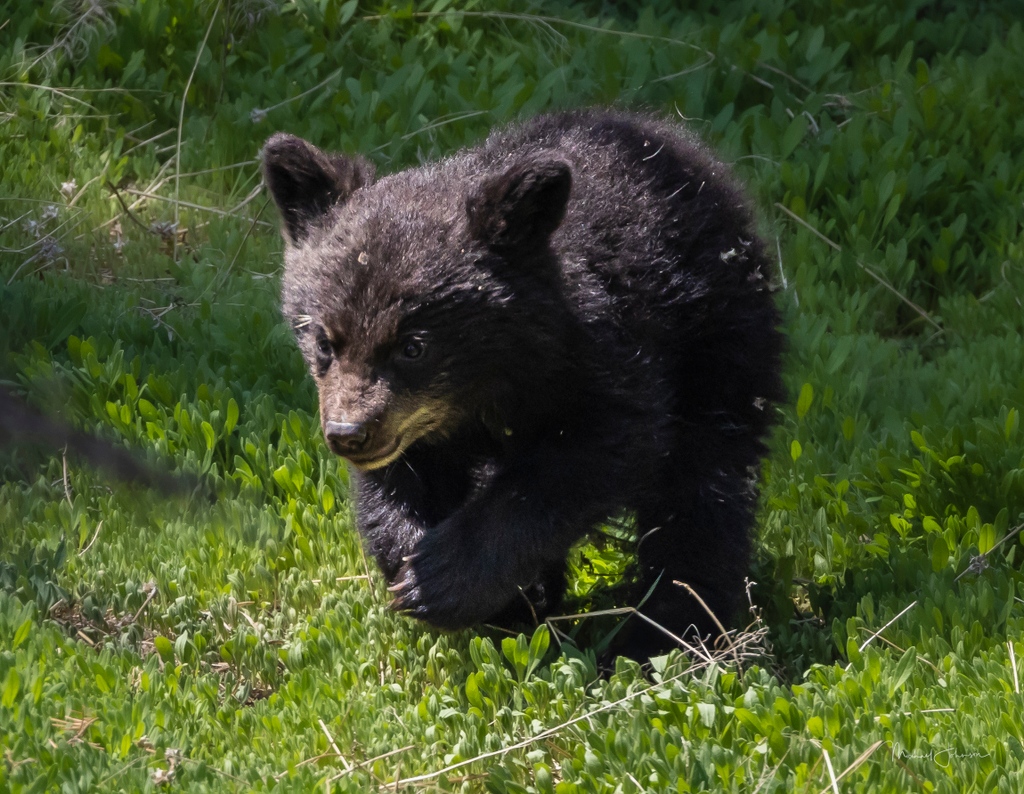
568 323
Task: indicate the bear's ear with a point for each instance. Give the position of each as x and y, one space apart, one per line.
306 182
523 205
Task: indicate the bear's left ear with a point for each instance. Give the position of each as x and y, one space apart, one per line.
306 182
523 205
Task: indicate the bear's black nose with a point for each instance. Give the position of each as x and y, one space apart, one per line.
346 437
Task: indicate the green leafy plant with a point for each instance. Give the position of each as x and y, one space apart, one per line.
234 637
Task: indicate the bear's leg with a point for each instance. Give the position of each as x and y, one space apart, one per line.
536 602
698 533
512 533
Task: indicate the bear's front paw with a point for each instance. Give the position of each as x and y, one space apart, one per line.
436 585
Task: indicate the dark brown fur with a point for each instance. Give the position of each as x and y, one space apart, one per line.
568 323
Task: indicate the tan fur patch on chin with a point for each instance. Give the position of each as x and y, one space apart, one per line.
412 420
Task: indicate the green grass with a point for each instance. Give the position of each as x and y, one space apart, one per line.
234 638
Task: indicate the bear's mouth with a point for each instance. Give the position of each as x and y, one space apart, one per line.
429 417
377 458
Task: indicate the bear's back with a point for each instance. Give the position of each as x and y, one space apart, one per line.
657 236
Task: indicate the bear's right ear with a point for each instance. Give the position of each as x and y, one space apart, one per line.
522 206
306 182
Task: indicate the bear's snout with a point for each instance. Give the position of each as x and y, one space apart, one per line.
346 438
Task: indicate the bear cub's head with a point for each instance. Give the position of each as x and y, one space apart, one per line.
420 301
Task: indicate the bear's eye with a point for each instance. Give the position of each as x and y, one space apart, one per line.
324 348
412 349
